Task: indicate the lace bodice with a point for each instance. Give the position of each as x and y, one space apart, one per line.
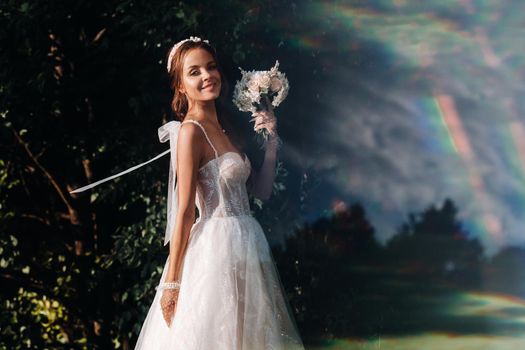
221 184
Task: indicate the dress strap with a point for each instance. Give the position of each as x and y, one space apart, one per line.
205 134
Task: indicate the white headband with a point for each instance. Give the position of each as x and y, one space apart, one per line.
177 45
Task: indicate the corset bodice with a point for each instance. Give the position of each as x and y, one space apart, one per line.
221 186
221 182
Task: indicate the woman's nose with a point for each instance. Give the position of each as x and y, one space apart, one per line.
206 74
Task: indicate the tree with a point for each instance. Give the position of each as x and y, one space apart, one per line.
435 244
84 89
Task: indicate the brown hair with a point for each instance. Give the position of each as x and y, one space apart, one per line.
179 102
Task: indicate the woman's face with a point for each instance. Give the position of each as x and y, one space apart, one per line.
201 79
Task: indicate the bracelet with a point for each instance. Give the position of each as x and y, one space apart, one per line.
168 285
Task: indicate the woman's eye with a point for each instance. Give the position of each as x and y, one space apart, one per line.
213 67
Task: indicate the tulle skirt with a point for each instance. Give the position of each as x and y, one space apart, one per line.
231 297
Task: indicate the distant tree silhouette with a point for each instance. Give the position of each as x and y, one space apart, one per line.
314 267
336 271
434 243
504 272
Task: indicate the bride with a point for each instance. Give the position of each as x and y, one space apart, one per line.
219 288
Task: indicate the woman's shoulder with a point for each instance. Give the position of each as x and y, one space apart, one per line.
190 135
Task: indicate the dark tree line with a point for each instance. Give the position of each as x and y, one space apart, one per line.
341 282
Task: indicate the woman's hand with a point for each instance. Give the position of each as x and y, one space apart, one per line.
265 119
168 304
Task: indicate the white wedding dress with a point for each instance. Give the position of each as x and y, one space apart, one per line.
231 297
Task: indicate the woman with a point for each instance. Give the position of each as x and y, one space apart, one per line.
219 288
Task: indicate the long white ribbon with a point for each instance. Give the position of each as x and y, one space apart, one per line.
82 189
167 132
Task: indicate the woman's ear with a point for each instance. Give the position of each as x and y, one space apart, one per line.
180 88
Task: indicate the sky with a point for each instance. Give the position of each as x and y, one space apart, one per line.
411 103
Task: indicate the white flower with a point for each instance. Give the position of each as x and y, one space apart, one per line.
275 84
253 84
263 80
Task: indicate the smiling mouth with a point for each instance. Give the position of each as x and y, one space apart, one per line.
207 86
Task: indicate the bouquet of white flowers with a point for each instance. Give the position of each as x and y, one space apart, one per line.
256 87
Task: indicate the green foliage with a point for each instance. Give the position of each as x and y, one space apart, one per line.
136 259
32 319
83 91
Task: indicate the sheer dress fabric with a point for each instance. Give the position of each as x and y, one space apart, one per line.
231 297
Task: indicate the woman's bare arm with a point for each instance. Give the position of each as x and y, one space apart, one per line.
189 150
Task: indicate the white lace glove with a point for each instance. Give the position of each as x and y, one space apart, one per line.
168 300
266 121
273 141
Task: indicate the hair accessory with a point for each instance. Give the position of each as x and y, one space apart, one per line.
177 45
